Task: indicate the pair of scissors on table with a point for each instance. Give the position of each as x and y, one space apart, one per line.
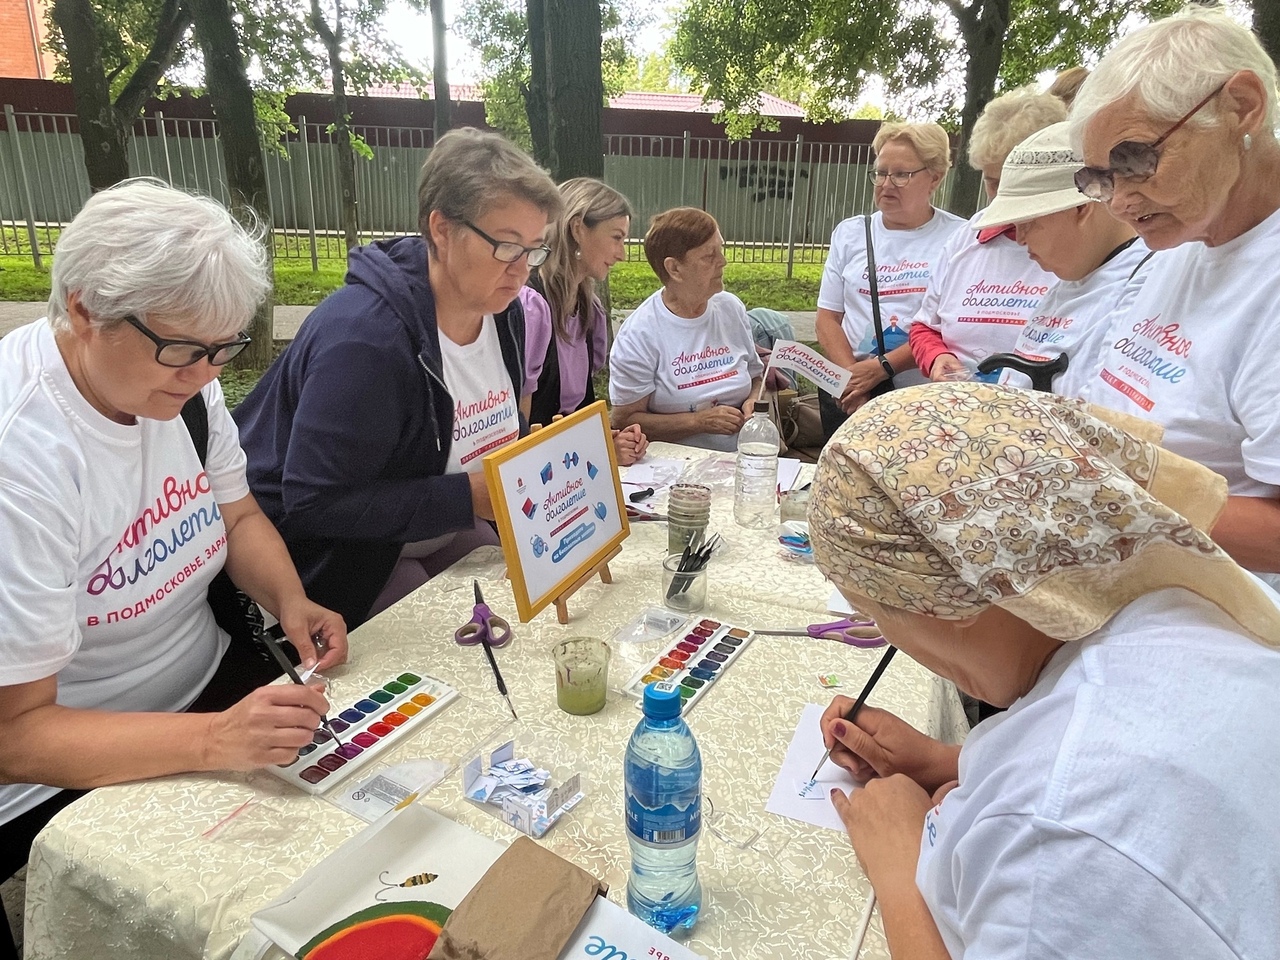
856 633
488 631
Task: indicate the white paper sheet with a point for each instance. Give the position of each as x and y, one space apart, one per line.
803 754
607 930
788 473
412 841
836 603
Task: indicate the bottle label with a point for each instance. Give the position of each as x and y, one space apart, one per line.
667 825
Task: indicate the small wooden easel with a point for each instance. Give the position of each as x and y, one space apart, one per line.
602 568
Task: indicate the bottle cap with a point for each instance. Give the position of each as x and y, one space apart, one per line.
762 406
662 700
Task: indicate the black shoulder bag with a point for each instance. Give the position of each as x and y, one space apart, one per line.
233 609
887 385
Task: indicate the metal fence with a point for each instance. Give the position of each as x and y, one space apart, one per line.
777 201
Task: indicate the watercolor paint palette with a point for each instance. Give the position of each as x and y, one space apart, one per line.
695 662
382 719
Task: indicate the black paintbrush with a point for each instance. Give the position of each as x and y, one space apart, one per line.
269 641
857 704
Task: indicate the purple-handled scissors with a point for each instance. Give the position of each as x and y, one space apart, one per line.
856 633
488 631
483 622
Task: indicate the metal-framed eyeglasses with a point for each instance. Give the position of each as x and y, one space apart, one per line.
900 179
1131 160
183 353
507 251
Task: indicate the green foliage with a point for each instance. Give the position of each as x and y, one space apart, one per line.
821 52
498 31
656 72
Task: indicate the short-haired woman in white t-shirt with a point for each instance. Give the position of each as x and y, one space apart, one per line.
907 235
684 366
114 525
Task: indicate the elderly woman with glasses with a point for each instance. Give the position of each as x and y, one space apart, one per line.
907 234
1047 556
1177 128
366 437
113 526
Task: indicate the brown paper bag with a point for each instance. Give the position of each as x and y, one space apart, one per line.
525 907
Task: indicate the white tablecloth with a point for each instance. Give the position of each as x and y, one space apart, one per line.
136 870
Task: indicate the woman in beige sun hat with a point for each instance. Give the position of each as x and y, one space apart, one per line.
1049 556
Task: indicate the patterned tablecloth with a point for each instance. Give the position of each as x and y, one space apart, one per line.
139 871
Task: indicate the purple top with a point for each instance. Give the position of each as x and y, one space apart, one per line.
574 362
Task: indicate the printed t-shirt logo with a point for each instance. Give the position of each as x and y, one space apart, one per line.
1151 352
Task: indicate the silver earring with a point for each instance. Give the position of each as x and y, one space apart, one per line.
577 254
1248 141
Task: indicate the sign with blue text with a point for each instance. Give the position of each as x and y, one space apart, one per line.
558 503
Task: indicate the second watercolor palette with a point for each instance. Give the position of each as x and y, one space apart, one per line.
695 662
380 720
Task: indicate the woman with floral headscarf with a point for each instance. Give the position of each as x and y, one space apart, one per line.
1047 556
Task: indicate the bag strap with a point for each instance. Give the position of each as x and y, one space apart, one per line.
1141 263
196 416
875 300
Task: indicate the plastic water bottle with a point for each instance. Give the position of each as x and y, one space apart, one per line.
755 489
663 775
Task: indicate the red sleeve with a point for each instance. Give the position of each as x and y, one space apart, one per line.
926 345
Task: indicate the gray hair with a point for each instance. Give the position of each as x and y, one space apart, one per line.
470 170
1173 64
143 248
1008 120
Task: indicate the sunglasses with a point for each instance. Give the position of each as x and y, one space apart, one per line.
183 353
1131 160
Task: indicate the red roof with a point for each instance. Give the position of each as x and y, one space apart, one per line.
770 106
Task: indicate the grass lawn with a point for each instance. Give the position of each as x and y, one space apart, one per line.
757 284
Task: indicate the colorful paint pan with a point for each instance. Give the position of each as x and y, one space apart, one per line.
696 662
368 728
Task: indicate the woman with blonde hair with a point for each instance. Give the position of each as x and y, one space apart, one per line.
566 332
985 286
1048 556
907 234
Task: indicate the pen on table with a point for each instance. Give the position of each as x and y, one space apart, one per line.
274 634
857 704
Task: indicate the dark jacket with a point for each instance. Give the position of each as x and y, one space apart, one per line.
348 433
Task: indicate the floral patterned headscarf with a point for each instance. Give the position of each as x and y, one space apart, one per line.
945 499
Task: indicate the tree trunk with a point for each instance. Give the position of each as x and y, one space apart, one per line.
102 133
105 127
232 100
440 70
1266 24
983 26
575 88
535 95
332 40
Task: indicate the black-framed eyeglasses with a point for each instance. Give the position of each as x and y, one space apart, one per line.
897 179
1131 160
183 353
508 252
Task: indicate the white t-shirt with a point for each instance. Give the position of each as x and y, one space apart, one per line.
685 365
1125 807
904 264
1072 318
982 293
1196 353
486 412
111 536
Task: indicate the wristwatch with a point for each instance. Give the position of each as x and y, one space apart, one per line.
888 367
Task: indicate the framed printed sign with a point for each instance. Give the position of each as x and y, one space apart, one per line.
559 507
